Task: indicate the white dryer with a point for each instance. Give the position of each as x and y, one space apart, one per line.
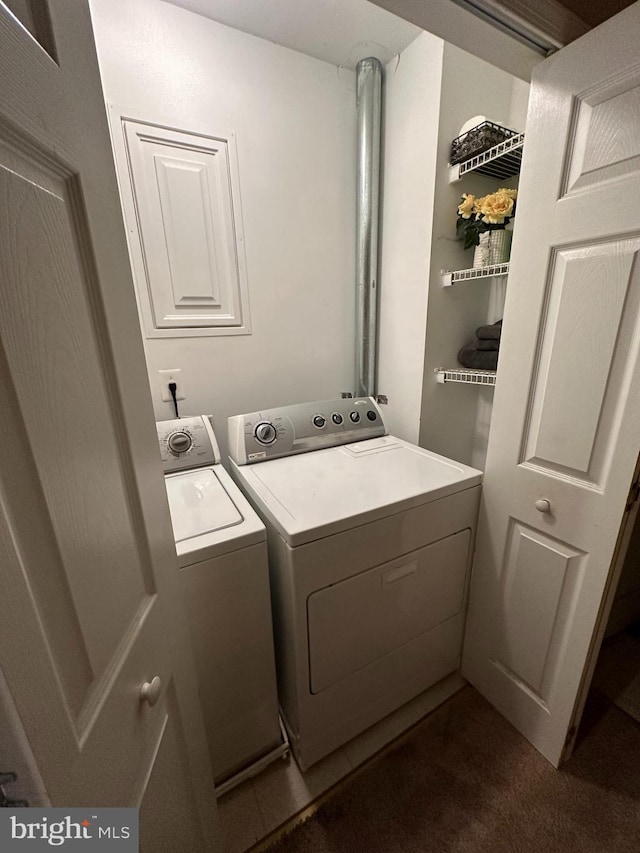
370 546
222 552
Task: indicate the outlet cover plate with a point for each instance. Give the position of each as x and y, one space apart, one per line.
167 376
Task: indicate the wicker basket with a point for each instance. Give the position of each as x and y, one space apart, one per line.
477 140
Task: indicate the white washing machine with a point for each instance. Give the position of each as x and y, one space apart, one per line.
222 552
370 547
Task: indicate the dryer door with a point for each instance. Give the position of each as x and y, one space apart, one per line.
362 619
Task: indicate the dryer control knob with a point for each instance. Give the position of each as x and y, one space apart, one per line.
319 421
179 442
265 433
354 416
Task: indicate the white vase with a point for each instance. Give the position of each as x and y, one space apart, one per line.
494 248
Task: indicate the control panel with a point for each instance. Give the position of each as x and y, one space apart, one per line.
187 443
260 436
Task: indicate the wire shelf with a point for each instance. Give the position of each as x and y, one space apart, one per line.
467 377
450 277
501 161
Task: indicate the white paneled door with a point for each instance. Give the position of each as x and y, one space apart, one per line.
185 227
565 433
89 600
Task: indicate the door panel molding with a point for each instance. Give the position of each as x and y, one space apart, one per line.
604 145
34 16
568 401
535 626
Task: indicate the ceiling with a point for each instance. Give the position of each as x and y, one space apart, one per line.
594 12
335 31
343 32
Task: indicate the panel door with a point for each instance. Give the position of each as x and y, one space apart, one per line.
185 227
88 611
564 437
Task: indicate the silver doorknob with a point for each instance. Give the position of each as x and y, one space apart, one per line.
150 691
543 505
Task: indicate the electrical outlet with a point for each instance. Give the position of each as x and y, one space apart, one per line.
167 376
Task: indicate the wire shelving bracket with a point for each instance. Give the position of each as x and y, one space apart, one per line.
501 161
450 277
467 377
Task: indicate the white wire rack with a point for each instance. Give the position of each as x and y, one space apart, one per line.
468 377
450 277
501 161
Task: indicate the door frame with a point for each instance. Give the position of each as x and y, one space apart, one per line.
627 524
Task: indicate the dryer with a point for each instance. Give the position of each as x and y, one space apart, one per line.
370 546
222 553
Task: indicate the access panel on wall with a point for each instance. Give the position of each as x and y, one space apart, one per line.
185 231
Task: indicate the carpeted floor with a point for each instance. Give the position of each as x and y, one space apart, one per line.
465 781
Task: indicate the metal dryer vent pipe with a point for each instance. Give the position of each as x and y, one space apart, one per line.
369 95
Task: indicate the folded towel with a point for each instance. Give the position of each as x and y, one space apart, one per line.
486 345
476 359
490 333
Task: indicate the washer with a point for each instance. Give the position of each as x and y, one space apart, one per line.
222 552
370 546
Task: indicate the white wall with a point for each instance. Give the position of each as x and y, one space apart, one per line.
411 108
294 117
455 418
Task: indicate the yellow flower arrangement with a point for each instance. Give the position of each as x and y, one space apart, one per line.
489 213
496 208
466 207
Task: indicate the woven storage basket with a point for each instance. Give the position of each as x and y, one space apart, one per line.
477 140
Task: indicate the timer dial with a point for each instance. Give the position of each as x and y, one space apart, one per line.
179 442
265 433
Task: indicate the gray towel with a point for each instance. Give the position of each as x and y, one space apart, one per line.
486 345
476 359
490 333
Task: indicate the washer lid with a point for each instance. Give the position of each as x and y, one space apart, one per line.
320 493
199 504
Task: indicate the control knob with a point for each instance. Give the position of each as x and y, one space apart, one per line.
319 421
354 417
179 442
265 433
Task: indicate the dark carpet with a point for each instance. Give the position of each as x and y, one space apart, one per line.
466 781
